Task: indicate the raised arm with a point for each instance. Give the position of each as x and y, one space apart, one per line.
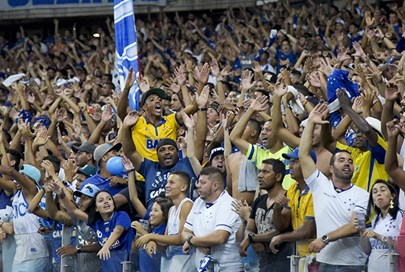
391 160
133 193
195 164
356 118
258 104
123 102
128 144
201 128
315 117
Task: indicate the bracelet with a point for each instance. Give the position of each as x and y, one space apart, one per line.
189 239
62 195
305 102
250 237
202 109
131 170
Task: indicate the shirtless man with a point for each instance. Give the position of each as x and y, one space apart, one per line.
293 141
243 186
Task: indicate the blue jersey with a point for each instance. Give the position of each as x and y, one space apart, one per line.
156 178
57 242
5 200
147 263
104 229
103 184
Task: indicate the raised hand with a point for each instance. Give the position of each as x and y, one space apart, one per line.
280 89
188 122
202 98
226 71
48 166
259 104
202 74
41 138
358 104
214 67
144 84
318 114
393 128
107 114
180 75
127 164
391 92
246 80
343 98
359 50
131 119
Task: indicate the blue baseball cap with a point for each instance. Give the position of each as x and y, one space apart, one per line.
88 190
294 154
32 172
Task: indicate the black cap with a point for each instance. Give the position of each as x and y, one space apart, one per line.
166 141
157 91
85 147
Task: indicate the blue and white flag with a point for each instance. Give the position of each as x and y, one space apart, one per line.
126 47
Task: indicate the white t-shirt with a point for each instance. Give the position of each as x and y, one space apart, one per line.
204 219
29 243
387 227
332 211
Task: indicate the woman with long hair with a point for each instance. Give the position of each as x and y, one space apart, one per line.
385 224
149 256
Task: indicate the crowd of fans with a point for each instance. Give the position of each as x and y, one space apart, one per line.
263 133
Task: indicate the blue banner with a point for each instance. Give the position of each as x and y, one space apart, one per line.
37 4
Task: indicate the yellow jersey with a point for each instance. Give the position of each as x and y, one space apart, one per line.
146 135
301 208
368 165
256 154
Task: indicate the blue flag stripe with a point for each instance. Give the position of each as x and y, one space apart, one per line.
126 47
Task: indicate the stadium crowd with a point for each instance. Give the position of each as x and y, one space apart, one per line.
263 133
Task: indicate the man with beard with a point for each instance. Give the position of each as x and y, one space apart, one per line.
368 148
211 225
295 210
337 200
84 158
157 173
260 228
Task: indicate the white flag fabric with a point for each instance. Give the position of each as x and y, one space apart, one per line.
126 47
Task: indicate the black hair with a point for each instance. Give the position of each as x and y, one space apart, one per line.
393 212
54 160
255 125
278 166
165 205
214 174
333 158
15 156
184 177
91 209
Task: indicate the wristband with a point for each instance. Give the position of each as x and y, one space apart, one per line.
202 109
189 239
250 237
131 170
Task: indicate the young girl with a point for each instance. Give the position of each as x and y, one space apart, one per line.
149 258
